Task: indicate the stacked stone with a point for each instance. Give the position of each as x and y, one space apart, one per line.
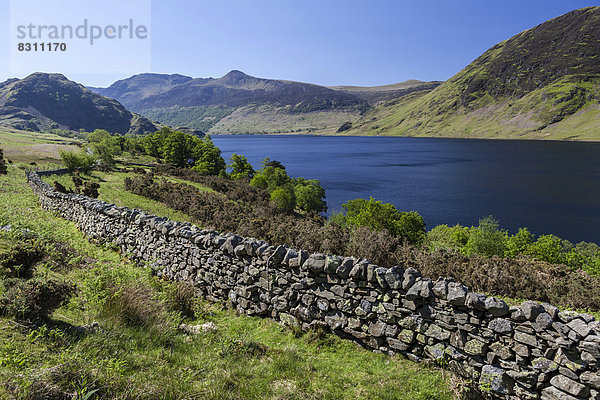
525 352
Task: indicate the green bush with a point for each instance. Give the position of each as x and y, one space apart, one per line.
284 198
3 169
77 161
519 243
444 237
35 299
486 239
310 196
240 167
548 248
380 216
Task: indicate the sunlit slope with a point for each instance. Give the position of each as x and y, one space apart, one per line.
542 83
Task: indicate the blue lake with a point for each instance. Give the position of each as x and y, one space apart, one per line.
547 186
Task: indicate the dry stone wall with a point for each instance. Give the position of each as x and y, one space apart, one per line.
527 352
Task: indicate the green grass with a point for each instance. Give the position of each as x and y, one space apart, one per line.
26 147
247 358
112 190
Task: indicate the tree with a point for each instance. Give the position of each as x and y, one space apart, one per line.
450 238
518 243
310 196
208 160
380 216
486 239
270 178
283 197
549 248
267 162
240 167
177 148
3 169
77 161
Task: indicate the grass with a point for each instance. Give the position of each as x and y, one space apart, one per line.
112 190
26 147
247 358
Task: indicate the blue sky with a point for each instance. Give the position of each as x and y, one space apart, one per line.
325 42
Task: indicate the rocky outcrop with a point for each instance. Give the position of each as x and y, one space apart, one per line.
526 352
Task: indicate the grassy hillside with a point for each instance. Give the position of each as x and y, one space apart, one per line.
274 119
26 147
119 334
542 83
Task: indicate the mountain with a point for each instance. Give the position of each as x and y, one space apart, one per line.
374 94
128 91
240 103
46 101
541 83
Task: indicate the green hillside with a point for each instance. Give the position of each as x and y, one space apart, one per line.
541 83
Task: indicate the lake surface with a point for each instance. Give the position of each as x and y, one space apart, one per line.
549 187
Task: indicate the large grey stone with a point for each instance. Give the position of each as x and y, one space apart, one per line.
579 326
331 264
359 271
380 273
457 293
345 267
552 393
591 379
420 290
570 386
315 263
410 277
545 365
531 309
495 379
437 332
475 300
501 325
496 307
393 277
543 321
475 347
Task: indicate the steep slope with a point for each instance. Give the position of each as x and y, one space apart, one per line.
129 91
374 94
45 101
543 82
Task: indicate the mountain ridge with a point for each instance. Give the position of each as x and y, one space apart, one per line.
43 101
241 103
541 83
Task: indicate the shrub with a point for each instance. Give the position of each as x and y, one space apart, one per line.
519 278
133 305
548 248
486 239
91 189
77 161
310 196
20 260
3 169
444 237
384 216
376 246
519 243
284 198
35 299
240 167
